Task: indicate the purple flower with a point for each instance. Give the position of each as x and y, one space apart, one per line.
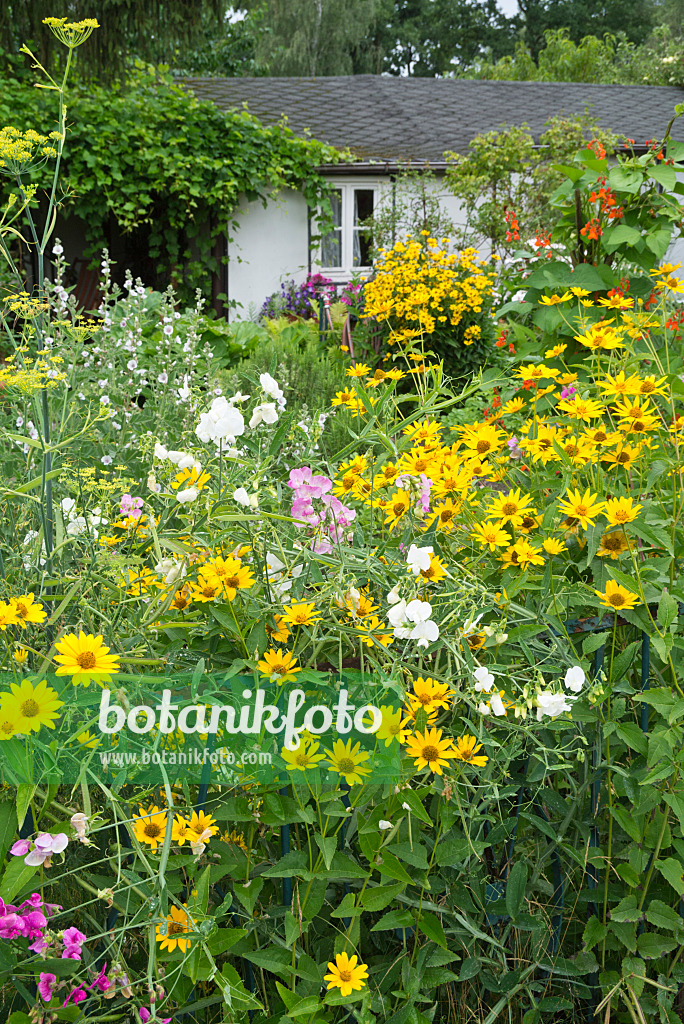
569 390
39 945
46 985
44 846
33 924
20 848
73 940
77 995
11 926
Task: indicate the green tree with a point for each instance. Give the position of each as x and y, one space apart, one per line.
634 18
149 30
313 37
436 37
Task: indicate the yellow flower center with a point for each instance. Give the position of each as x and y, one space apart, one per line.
445 515
7 727
302 760
483 446
86 659
600 436
180 603
208 591
616 600
398 508
581 510
174 928
346 976
509 508
232 581
21 609
420 465
346 766
430 754
152 830
30 708
646 387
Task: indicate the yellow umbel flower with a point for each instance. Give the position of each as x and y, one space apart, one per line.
71 33
150 827
617 597
85 659
171 934
429 750
347 974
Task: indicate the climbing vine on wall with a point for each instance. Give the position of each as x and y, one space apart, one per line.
151 155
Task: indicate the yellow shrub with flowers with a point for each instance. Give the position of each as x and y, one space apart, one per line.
432 300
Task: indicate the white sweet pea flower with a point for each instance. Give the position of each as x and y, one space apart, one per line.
270 386
483 708
484 680
176 457
238 397
76 526
425 631
241 496
189 494
394 595
418 559
264 413
496 704
187 461
160 452
551 705
384 825
221 421
575 679
68 505
397 614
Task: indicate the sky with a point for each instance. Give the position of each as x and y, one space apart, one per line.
509 7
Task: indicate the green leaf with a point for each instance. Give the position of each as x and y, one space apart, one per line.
661 916
327 845
515 888
622 235
670 869
25 791
378 896
431 926
594 641
624 180
633 736
665 176
8 828
248 893
652 946
626 910
668 610
594 932
392 867
393 919
347 907
273 959
415 803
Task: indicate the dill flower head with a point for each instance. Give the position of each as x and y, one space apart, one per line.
71 33
23 151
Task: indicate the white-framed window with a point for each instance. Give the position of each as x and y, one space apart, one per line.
345 250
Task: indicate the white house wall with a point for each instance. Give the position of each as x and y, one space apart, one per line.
269 245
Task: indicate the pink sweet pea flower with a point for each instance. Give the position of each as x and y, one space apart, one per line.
20 848
46 985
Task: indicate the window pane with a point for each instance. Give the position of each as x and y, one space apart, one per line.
331 244
361 243
331 249
363 204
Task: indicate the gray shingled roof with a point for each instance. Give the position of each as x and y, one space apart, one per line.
418 119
